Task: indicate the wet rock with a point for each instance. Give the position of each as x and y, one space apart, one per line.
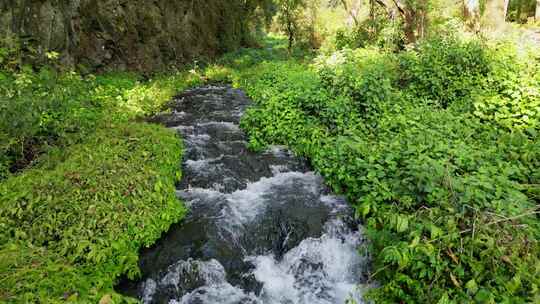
137 35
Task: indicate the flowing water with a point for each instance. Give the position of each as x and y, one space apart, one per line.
262 227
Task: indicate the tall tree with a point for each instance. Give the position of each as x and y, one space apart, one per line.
289 14
537 15
415 18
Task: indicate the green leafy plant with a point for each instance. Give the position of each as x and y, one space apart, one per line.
84 184
449 199
71 226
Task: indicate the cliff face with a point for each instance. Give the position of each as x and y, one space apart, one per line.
136 35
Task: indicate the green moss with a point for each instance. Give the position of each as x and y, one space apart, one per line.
70 228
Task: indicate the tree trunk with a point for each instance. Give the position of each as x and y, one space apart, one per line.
290 31
519 11
495 14
471 14
415 19
506 3
355 10
537 16
409 27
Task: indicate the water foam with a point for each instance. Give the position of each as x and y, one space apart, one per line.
318 271
204 166
245 205
221 124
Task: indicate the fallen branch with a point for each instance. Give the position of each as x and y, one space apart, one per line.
504 220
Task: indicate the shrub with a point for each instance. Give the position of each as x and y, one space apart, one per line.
72 225
46 109
43 109
511 97
364 75
444 70
381 32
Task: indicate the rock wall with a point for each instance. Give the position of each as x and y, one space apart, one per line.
126 34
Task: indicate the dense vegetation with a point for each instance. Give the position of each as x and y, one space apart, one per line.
70 228
436 148
431 134
82 185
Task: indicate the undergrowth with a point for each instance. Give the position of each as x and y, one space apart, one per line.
437 149
46 109
84 183
70 227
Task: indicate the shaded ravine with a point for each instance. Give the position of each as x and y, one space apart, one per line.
262 227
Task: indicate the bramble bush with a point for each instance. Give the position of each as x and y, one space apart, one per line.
491 80
449 197
511 94
444 69
362 75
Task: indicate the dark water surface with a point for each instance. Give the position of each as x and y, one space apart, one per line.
262 227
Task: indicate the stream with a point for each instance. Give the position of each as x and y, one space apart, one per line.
262 227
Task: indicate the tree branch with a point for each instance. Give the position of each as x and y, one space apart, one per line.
399 7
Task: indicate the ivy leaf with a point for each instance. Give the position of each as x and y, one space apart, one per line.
435 231
471 286
444 299
402 223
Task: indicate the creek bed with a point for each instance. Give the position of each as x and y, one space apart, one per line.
262 227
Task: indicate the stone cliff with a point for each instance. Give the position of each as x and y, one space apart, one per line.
126 34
